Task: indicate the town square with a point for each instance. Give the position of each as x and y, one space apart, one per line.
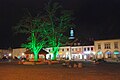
59 40
89 71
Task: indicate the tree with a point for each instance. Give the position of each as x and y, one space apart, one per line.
46 30
60 21
34 28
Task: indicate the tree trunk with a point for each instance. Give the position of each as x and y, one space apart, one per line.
54 56
55 53
35 57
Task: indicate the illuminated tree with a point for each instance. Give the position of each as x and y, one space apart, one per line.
34 28
46 30
59 21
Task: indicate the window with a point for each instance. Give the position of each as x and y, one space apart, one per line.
88 49
91 48
62 49
84 49
67 49
116 45
79 49
75 43
78 43
72 49
107 46
99 46
76 49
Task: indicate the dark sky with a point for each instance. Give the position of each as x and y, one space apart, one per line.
98 19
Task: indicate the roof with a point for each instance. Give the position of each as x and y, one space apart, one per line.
40 52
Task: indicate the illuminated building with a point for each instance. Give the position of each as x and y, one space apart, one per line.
107 48
73 52
5 53
19 52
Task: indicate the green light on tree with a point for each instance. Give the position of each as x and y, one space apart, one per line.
60 21
46 30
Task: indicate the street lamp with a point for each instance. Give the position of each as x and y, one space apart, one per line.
10 54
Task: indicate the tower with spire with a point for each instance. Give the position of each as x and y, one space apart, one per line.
71 37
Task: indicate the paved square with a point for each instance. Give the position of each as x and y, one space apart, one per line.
105 71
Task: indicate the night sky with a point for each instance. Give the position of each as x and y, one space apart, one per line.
97 19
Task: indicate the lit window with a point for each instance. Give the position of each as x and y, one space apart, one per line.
78 43
72 49
91 48
76 49
79 49
99 46
84 49
116 45
107 46
67 49
88 49
75 43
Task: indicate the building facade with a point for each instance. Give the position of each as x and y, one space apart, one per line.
18 52
73 53
5 53
107 48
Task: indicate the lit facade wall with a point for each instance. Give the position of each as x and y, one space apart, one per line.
89 52
107 48
0 53
5 53
19 52
73 52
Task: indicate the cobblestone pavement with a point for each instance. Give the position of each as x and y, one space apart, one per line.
106 71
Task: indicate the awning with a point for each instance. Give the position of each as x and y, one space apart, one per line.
116 52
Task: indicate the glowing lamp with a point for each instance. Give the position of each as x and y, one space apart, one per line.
10 54
23 54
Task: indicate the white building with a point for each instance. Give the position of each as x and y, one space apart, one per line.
74 52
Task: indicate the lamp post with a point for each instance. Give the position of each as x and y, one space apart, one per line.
9 57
